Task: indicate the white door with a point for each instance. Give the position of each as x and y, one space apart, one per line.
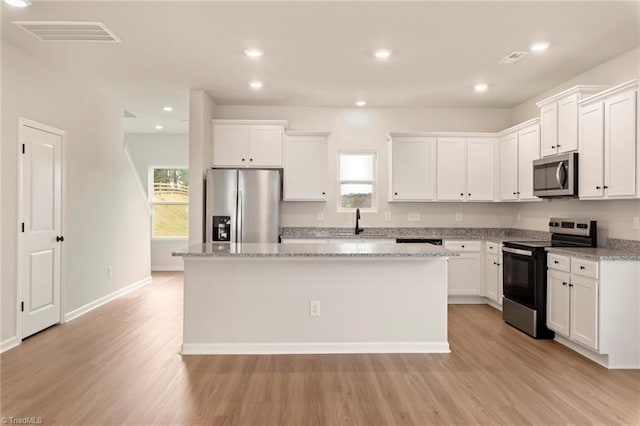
549 121
451 169
558 301
568 124
41 211
528 150
491 278
230 145
584 311
265 146
509 167
305 170
620 145
413 169
591 159
480 169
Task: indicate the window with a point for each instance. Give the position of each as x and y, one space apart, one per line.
356 180
169 202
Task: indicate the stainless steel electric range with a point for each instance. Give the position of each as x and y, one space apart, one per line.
525 273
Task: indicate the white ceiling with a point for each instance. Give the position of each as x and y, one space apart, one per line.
320 53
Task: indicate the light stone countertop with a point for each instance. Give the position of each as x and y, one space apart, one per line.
595 253
345 249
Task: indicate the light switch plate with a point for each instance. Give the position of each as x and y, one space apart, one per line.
320 216
413 217
458 217
387 216
636 223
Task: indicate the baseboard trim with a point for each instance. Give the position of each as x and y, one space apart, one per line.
167 268
467 300
9 343
603 360
69 316
315 348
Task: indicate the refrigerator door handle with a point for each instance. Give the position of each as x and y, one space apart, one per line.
239 218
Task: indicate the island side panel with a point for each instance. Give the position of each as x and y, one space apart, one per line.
368 305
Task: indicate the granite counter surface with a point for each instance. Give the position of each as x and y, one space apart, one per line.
596 253
345 249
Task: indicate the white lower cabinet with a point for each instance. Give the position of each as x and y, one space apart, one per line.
465 270
572 302
493 272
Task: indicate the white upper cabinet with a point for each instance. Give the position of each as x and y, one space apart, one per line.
305 166
451 168
518 148
413 168
609 155
481 170
559 119
240 143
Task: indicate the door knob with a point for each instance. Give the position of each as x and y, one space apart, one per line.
59 238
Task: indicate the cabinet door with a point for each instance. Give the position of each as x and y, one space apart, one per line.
265 146
305 169
620 145
558 301
509 167
491 278
549 121
480 169
465 275
230 145
528 150
591 158
451 169
413 169
584 311
568 124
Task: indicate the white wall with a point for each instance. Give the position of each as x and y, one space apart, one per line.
365 128
613 72
160 149
106 216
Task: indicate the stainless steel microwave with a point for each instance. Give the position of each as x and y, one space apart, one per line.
556 176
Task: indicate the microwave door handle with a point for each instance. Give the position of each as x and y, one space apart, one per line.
561 174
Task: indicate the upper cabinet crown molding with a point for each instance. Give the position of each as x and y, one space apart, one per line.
392 135
283 123
583 89
304 133
519 126
629 85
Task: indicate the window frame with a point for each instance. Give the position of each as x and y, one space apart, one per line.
373 182
164 203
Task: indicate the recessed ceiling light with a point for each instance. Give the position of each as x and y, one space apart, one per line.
18 3
382 53
253 53
167 108
480 87
361 103
540 46
159 127
255 85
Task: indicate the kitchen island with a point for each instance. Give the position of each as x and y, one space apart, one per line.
315 298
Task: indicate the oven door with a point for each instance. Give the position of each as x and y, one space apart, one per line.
519 276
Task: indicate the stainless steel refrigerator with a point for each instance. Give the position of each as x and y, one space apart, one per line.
243 205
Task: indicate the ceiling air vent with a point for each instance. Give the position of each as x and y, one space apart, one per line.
68 31
512 57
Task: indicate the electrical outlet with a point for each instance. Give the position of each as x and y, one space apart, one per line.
387 216
636 223
314 308
413 217
109 271
458 217
320 216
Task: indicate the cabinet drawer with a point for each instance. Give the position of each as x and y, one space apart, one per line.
493 248
586 268
560 263
458 245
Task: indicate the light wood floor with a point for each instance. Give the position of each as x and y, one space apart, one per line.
120 364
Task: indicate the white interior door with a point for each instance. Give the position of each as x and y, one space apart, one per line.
41 212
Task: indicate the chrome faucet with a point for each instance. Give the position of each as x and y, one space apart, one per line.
358 229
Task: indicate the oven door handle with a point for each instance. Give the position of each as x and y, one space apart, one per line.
517 251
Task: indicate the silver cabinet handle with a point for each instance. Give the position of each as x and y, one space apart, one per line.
517 251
